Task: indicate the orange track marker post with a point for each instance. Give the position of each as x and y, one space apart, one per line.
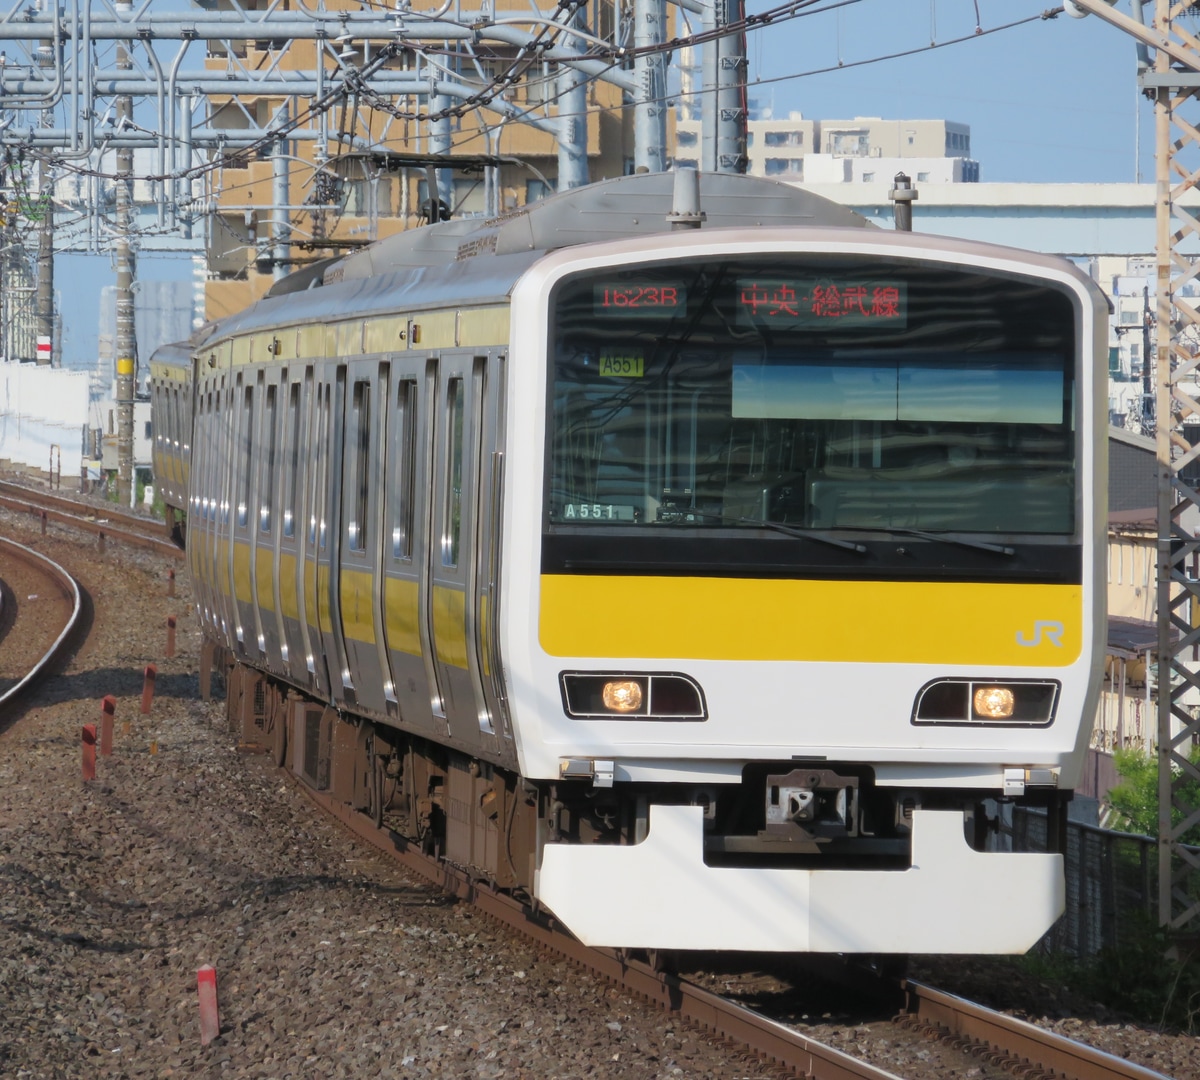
148 687
170 582
170 636
108 711
210 1020
89 751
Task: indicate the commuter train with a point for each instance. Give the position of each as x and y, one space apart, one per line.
686 554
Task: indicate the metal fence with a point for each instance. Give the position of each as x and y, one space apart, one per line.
1112 882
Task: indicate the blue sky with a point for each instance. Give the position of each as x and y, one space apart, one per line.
1048 101
1053 100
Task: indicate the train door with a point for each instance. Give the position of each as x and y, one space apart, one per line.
316 535
488 560
226 453
265 525
289 569
407 556
360 589
199 533
452 612
240 531
329 456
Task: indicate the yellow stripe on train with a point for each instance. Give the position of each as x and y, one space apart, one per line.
870 622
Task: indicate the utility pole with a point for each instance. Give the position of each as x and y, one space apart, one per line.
1174 84
650 107
723 109
45 257
126 343
280 223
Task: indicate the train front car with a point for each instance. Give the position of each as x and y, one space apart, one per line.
810 532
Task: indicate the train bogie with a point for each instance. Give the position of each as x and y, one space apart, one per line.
712 587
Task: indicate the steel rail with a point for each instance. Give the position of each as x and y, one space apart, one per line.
71 588
770 1040
1019 1040
1021 1047
133 530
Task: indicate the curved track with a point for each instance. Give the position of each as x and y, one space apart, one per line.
115 524
1015 1046
41 611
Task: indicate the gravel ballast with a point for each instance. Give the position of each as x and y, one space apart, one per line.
331 961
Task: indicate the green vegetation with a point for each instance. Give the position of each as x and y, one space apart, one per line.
142 479
1148 977
1135 800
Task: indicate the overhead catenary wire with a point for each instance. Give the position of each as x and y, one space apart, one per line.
357 81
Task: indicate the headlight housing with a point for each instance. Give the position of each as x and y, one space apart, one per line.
629 695
987 702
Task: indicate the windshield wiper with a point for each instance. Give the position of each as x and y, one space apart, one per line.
978 545
689 517
804 534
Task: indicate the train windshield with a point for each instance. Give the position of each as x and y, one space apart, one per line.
822 394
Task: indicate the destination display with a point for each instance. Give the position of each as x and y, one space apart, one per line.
829 303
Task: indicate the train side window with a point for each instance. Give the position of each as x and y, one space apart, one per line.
316 521
222 437
245 445
270 428
356 527
452 524
230 464
293 459
404 463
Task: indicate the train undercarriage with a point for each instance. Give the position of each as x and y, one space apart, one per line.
495 824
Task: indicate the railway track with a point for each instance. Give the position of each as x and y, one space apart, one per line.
107 523
40 610
980 1034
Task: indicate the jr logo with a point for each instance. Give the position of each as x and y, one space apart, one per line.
1051 631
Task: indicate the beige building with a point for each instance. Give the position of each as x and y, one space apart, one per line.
862 150
354 198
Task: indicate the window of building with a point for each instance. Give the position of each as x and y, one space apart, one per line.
784 138
848 144
537 189
793 167
690 138
922 177
868 178
539 84
689 163
364 197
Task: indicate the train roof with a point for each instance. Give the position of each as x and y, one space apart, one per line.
479 260
627 206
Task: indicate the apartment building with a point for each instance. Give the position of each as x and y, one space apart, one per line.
354 197
861 150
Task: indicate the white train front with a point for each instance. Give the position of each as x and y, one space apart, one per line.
706 584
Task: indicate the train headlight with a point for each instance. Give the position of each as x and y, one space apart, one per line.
974 702
993 702
622 695
631 695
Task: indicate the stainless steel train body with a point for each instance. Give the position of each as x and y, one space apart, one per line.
707 584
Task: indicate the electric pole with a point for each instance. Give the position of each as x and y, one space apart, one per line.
1174 84
45 257
126 338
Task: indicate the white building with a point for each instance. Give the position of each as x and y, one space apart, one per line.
866 149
